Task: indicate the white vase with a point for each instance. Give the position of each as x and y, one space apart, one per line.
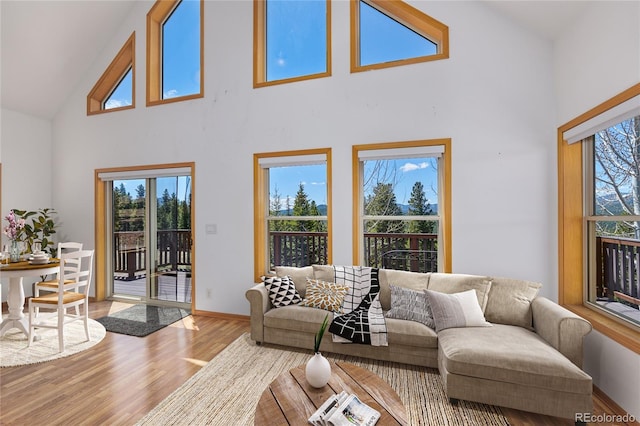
318 371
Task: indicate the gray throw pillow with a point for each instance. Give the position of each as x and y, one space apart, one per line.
455 310
410 305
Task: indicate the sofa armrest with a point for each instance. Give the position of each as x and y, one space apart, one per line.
259 304
561 328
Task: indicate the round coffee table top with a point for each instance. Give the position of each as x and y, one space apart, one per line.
290 400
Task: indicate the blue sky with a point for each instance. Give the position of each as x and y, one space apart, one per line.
296 45
296 38
181 57
407 172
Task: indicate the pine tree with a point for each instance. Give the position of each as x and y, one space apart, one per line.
382 202
301 208
419 206
275 209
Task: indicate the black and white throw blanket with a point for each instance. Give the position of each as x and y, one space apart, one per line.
362 319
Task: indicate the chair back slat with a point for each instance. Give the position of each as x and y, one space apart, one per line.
81 276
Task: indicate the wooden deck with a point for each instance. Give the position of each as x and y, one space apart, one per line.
172 287
621 309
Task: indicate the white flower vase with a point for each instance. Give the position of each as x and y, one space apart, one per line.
318 371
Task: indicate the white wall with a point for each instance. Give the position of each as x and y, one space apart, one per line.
25 147
499 97
596 59
493 97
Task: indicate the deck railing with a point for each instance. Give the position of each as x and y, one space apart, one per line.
411 252
129 257
619 266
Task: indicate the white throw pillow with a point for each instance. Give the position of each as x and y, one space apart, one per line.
455 310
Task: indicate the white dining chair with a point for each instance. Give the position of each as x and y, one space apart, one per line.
63 299
72 266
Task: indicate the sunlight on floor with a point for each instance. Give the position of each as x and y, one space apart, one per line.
187 322
118 306
196 361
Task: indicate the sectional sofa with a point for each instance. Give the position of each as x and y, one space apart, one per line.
527 356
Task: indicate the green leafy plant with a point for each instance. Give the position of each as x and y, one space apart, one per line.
40 229
319 334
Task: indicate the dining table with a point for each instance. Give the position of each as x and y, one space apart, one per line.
16 272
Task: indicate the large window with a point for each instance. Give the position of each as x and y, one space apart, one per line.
292 40
612 215
388 33
292 209
401 210
599 201
115 90
174 51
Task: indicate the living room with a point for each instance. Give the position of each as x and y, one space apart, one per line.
500 97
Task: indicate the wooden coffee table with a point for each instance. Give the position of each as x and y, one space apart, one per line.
290 400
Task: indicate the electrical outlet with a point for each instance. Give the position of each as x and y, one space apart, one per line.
208 293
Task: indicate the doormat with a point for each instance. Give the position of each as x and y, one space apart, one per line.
142 320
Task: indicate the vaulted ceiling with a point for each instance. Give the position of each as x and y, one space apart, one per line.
48 45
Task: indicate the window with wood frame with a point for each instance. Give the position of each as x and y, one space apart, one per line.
115 90
390 33
401 205
291 41
175 46
292 202
599 248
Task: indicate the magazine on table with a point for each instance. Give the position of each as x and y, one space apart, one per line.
344 409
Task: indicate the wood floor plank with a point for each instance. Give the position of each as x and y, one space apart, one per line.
122 378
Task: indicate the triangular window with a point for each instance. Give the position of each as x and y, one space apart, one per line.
390 33
122 94
114 90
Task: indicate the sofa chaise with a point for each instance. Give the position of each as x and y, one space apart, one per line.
528 356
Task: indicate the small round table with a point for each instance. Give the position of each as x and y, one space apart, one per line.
15 299
290 400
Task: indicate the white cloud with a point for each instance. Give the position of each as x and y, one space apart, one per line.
116 103
317 183
409 167
170 94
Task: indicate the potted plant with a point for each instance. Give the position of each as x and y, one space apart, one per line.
318 369
39 230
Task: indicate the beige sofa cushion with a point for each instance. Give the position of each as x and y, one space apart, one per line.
457 283
410 333
509 354
298 275
324 272
510 300
296 318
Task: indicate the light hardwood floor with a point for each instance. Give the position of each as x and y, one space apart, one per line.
123 377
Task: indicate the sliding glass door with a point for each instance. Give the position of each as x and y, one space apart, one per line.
150 237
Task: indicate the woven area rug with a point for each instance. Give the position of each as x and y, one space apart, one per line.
141 320
227 389
14 350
